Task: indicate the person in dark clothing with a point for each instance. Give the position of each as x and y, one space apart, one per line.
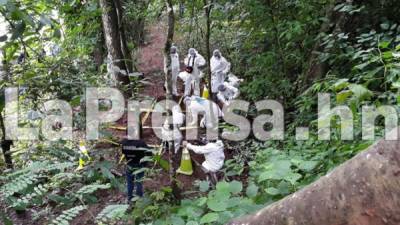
134 151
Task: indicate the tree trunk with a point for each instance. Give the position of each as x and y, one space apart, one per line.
5 145
137 32
113 39
280 53
124 44
363 191
207 12
168 74
98 52
334 23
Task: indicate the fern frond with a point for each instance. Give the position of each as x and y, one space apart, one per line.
89 189
19 184
60 166
68 215
38 192
111 213
35 167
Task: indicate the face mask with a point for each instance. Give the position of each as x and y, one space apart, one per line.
217 54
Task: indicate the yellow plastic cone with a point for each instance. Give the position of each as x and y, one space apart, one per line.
84 154
206 94
186 164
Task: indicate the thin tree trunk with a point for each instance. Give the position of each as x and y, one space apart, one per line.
363 191
5 145
168 74
98 52
113 39
207 12
121 29
276 36
317 69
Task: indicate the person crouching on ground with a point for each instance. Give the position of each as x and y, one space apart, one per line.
214 156
227 93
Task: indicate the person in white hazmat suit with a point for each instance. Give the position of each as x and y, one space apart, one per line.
226 93
233 80
171 132
196 105
175 67
214 156
220 67
194 61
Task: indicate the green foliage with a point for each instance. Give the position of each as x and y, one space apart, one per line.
68 215
217 206
89 189
111 213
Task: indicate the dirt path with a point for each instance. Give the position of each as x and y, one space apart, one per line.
151 63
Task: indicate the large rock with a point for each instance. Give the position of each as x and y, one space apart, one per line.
363 191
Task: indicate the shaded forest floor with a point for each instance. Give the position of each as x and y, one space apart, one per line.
151 64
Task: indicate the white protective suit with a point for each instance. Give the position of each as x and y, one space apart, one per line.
228 94
233 80
175 67
220 67
195 60
175 134
196 105
213 154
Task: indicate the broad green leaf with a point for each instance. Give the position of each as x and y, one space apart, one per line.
202 201
362 65
342 96
396 84
76 101
387 55
220 195
177 220
385 26
307 165
267 175
252 190
223 186
233 202
341 84
384 44
360 92
217 205
293 178
235 187
209 218
204 186
192 223
272 191
283 187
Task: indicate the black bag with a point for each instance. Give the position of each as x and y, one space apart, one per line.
189 69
